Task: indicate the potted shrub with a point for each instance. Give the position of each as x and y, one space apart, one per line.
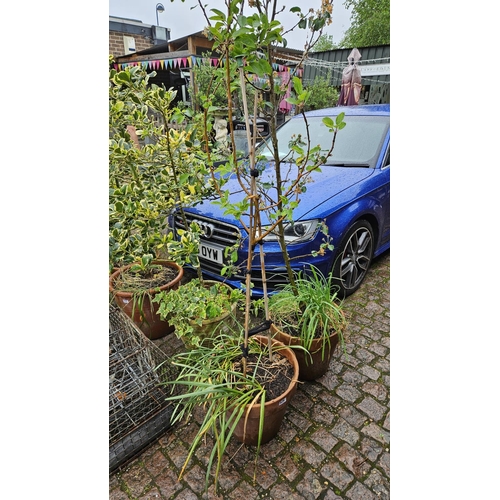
311 316
237 402
152 169
134 286
199 310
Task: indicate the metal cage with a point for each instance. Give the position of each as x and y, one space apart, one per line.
138 412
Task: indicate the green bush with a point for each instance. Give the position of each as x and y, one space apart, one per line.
323 93
151 175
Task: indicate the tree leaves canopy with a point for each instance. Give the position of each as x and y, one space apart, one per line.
370 23
325 42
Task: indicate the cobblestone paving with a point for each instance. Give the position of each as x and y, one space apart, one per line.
333 443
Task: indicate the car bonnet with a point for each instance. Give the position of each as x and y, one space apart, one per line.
323 187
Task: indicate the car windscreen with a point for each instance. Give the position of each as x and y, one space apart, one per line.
357 144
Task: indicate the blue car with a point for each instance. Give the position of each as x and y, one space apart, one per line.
351 195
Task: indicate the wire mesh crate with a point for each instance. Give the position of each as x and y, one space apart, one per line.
138 412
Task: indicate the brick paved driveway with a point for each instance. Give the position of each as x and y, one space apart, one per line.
334 441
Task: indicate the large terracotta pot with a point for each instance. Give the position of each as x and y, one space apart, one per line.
248 432
315 364
146 318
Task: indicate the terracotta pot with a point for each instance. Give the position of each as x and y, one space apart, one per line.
312 365
147 319
274 410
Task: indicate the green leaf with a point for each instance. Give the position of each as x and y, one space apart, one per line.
123 77
178 117
328 121
220 16
304 95
242 20
297 85
339 119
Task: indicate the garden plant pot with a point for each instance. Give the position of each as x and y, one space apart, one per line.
315 364
209 328
247 429
146 317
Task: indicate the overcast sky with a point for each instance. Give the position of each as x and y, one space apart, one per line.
182 20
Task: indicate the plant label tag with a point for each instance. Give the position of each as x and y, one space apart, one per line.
282 401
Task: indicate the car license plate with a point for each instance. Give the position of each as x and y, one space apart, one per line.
212 253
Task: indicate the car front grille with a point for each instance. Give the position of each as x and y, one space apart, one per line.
225 235
215 233
273 278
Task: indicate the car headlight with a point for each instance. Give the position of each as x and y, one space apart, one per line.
295 232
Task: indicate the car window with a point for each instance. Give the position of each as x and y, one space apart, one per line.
387 161
359 142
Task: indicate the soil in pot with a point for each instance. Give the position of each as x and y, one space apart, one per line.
138 305
280 380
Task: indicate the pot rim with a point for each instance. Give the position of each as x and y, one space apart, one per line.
295 340
151 291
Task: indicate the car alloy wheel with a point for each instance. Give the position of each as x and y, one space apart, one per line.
356 252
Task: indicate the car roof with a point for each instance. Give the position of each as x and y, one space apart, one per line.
365 109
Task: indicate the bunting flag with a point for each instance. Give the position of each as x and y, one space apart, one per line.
193 61
280 67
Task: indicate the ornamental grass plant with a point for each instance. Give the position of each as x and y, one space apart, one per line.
212 377
310 311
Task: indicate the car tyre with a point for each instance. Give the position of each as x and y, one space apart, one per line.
354 258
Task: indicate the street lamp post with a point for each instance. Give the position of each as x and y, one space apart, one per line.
159 8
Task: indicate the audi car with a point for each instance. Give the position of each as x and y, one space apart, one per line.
350 194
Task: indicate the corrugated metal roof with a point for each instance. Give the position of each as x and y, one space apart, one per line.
336 61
